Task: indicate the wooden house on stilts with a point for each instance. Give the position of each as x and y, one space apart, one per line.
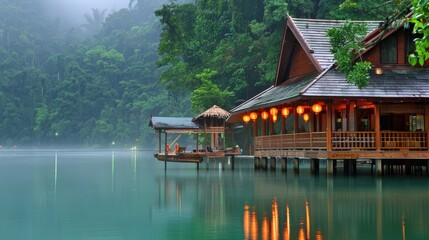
312 112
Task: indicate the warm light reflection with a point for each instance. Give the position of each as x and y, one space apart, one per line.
265 228
307 218
246 222
403 227
271 229
306 117
319 235
253 116
301 231
246 118
265 115
286 231
254 225
274 220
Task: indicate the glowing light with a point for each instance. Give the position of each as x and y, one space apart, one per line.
246 118
274 111
246 222
264 115
306 117
274 118
285 112
300 110
253 116
316 108
378 71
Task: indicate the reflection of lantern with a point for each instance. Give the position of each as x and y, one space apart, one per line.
274 111
316 108
264 115
274 118
305 117
285 112
300 110
253 116
246 118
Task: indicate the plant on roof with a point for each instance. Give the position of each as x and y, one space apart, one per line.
346 44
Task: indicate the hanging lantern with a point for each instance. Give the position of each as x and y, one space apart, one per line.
305 117
316 108
264 115
253 116
246 118
285 112
274 111
274 118
300 110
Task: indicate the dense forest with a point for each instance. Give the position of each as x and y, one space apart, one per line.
99 83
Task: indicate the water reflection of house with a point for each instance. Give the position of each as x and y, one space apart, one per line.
322 116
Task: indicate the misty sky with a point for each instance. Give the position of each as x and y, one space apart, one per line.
72 11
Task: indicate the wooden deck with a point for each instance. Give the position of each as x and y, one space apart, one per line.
345 145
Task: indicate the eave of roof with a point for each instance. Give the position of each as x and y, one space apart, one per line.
395 84
166 123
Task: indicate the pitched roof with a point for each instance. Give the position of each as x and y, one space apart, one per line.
274 95
313 35
169 123
215 112
412 83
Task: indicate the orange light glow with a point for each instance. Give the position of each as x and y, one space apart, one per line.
306 117
254 225
246 118
274 220
300 110
286 231
253 116
316 108
246 222
264 115
274 111
274 118
285 112
265 228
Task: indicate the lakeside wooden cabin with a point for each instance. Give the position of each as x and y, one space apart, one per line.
211 124
312 112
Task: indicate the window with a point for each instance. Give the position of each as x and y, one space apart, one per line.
389 50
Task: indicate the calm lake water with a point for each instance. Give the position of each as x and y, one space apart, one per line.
125 195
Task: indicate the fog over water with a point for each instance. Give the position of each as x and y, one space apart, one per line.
72 11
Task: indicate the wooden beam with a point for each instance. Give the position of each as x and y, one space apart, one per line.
377 126
329 126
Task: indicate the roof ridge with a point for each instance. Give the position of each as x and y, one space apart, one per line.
336 20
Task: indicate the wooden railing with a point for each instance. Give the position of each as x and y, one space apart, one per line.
315 140
403 141
344 141
353 141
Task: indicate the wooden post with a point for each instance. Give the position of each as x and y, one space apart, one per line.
257 162
273 163
284 164
165 140
255 128
314 165
377 127
159 141
296 165
283 129
330 167
329 126
427 125
379 167
264 127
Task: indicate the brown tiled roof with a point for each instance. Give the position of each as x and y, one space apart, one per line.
412 83
313 32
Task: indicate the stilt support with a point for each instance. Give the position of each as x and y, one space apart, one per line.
284 164
379 167
296 165
330 168
314 165
273 163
